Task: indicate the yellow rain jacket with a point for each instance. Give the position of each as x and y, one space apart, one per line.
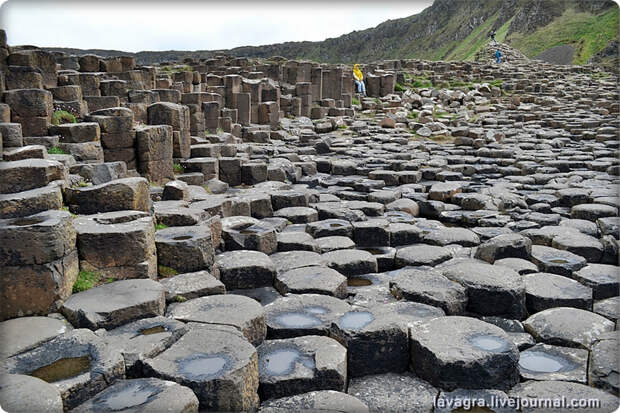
357 73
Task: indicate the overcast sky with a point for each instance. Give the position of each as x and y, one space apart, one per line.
199 25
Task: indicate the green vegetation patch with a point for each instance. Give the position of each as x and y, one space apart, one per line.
86 280
588 33
166 271
60 117
55 150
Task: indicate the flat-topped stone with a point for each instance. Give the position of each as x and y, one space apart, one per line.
243 313
566 326
142 395
478 355
304 314
20 392
114 304
324 400
298 365
216 362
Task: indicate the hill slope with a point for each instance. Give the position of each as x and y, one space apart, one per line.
448 30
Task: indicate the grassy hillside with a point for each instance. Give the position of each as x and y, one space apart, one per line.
588 33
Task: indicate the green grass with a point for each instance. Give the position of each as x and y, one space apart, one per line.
86 280
355 101
399 88
412 115
160 226
62 116
166 271
178 169
500 34
477 39
55 150
588 33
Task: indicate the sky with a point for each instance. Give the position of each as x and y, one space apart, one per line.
190 25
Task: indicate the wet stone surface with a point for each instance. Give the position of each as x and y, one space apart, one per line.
490 360
142 395
545 362
216 362
78 363
300 315
299 365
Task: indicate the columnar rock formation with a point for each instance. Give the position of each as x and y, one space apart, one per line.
232 234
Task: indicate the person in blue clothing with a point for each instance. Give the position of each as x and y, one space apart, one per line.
498 56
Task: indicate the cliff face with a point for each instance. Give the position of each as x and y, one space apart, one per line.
447 30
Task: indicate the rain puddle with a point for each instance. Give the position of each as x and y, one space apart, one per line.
489 343
282 362
316 310
204 364
335 225
132 395
558 261
354 320
541 362
358 282
63 369
297 320
153 330
182 237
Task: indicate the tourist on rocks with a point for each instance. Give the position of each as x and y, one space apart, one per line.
498 56
359 79
493 41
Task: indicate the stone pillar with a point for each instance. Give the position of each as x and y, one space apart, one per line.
177 116
233 85
316 77
254 88
243 104
211 112
303 91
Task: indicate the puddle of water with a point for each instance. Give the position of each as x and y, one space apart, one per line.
153 330
354 320
335 225
182 237
204 364
316 310
358 282
297 320
248 231
541 362
63 369
558 261
282 362
489 343
133 395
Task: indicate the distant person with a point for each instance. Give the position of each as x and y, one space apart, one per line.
493 41
498 56
359 79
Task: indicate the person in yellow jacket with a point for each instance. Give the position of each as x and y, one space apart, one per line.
359 79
